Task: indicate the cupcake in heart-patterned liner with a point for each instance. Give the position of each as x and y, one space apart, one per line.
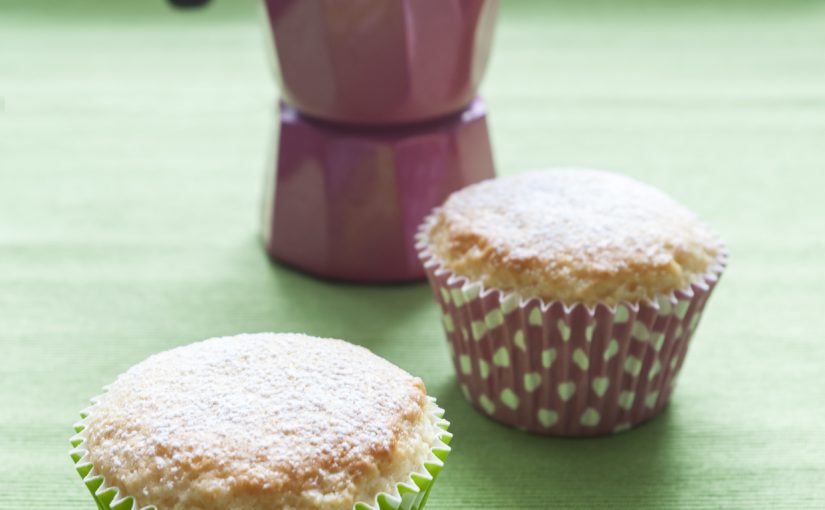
569 297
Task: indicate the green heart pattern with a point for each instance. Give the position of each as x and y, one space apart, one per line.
568 371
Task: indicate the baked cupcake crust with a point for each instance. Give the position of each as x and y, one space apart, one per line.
260 422
570 235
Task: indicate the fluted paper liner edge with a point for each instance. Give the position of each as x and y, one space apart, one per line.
566 370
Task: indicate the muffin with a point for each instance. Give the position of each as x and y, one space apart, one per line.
569 297
262 422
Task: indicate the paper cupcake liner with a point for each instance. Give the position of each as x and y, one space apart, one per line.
555 369
410 494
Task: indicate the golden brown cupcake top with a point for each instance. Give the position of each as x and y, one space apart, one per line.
577 236
260 422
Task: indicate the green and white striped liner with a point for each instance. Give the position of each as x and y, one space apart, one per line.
410 494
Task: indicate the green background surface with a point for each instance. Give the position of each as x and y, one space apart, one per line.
132 143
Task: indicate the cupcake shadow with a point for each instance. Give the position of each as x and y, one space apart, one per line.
638 468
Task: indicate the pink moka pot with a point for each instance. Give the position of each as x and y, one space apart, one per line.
379 122
344 203
379 62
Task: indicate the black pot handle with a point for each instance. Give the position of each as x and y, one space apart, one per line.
186 4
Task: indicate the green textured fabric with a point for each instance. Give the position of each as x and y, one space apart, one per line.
132 142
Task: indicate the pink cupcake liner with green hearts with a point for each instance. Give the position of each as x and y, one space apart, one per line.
410 494
561 370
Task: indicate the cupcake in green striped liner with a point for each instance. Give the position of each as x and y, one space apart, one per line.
262 422
569 297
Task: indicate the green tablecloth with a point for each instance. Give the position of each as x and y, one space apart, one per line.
132 142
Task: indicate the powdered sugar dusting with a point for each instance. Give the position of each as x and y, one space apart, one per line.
572 235
300 419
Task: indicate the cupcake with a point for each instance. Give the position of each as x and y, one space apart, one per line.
262 422
569 297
